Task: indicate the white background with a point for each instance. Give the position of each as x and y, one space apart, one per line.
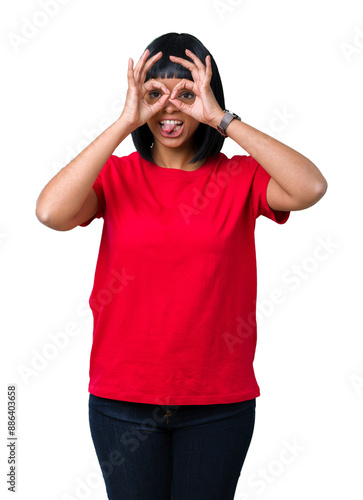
63 83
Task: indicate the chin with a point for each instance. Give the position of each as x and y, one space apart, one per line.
173 143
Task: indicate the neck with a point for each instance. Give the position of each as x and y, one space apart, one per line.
177 158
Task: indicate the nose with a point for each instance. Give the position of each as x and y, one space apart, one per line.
169 106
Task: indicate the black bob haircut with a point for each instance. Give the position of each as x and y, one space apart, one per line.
207 140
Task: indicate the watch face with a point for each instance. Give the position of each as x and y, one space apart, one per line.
234 115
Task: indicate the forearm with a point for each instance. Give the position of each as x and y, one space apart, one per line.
63 196
292 171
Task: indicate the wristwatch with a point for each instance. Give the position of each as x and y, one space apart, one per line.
226 120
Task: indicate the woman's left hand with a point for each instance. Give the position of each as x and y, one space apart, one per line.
205 107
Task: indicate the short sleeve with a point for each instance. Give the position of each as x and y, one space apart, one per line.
260 206
98 188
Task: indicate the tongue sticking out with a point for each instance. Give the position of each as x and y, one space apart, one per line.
169 127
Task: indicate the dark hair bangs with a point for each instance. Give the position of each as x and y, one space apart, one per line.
165 67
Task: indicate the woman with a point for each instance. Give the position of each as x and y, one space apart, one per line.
172 386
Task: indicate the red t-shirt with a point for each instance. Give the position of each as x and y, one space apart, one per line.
174 294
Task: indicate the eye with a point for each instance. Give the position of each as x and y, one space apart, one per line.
154 94
187 97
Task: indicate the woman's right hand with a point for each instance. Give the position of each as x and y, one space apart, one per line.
137 111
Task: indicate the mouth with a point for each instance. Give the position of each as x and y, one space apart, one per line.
171 128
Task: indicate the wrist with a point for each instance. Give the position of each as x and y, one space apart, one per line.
217 118
124 125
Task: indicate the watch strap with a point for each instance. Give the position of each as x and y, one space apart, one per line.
226 120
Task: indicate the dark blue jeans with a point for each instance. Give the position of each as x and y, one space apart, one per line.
185 452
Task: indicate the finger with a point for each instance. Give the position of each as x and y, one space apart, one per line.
155 85
196 60
148 65
184 84
142 58
185 108
160 103
152 83
209 68
140 65
130 74
180 105
187 64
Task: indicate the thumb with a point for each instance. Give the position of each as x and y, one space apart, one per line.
161 102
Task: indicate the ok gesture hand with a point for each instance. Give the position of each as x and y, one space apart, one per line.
137 110
205 107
